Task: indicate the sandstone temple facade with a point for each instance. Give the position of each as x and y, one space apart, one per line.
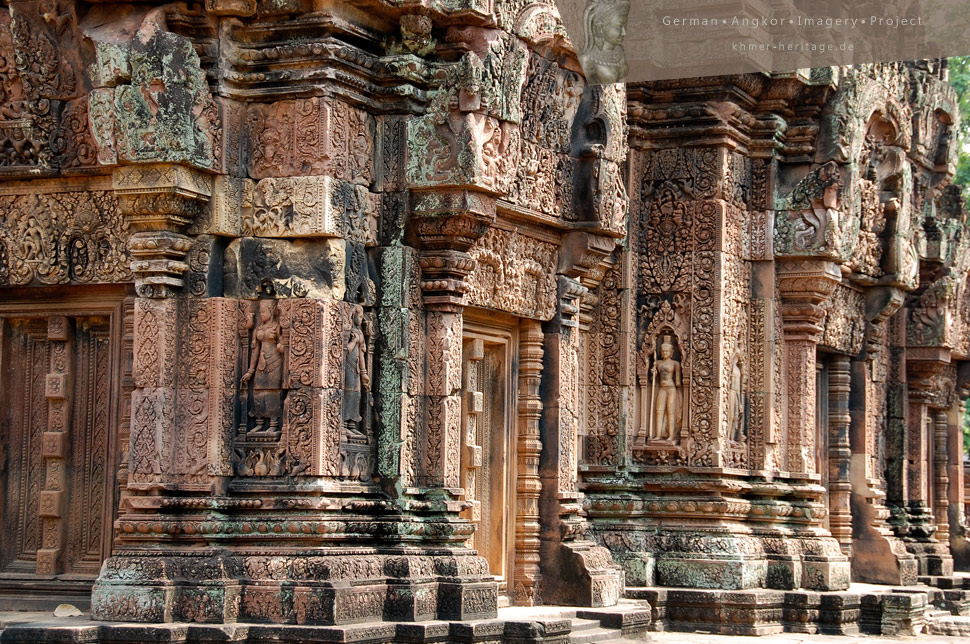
318 312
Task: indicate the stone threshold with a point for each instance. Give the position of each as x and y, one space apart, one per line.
627 622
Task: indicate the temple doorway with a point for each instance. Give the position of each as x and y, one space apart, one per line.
487 459
58 448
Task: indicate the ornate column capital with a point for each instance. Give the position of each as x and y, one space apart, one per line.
159 201
922 363
805 285
445 224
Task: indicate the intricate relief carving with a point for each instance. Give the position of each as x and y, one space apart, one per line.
62 238
513 273
676 276
930 317
810 220
312 207
845 322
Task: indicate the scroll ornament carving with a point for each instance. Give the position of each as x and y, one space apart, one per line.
62 238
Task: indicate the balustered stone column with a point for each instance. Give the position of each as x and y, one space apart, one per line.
941 476
840 452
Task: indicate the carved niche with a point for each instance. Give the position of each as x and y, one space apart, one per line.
305 406
675 244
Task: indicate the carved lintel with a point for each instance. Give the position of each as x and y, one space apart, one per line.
158 262
804 286
162 196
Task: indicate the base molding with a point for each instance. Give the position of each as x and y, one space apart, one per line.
332 588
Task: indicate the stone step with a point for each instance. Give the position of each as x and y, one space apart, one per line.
595 635
951 625
581 625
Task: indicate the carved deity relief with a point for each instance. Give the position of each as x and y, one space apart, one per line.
266 373
665 383
662 390
735 411
357 402
261 389
356 383
604 24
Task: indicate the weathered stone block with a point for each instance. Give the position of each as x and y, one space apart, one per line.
111 66
119 602
903 613
467 601
284 269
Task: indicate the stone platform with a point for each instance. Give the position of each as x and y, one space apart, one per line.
627 622
863 609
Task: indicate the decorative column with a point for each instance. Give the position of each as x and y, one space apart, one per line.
527 483
840 452
56 443
941 479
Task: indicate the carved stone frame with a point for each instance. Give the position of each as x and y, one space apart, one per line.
503 329
106 301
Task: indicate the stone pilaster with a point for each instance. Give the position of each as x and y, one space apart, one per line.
804 285
575 570
919 527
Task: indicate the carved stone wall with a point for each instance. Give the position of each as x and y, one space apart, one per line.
736 313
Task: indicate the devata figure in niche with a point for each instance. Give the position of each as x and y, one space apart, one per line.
603 58
356 377
667 370
266 372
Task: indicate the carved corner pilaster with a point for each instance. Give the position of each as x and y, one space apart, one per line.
159 202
